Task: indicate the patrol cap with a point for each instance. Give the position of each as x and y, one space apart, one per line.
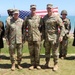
49 6
16 11
32 6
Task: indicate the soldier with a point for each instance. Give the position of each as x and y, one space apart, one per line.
50 34
64 42
10 13
2 32
14 38
34 37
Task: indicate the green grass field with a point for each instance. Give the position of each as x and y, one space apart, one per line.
71 49
66 66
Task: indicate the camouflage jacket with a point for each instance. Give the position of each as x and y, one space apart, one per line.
13 32
67 25
33 24
50 27
2 30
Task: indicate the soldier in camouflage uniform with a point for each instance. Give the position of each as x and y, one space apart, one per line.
10 14
51 36
2 32
64 42
34 37
14 38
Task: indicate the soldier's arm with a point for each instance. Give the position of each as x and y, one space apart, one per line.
3 30
69 25
62 28
24 26
7 30
43 29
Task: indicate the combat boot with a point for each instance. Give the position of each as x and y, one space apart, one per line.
62 58
38 67
13 66
46 65
55 68
31 67
19 66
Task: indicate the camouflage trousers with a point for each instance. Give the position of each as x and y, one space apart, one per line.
63 48
34 49
18 48
48 47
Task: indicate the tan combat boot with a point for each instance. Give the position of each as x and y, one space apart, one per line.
19 66
13 66
55 68
31 67
62 58
38 67
46 65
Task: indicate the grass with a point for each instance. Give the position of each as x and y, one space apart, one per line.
71 49
66 67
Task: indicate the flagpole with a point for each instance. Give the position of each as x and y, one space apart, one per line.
14 6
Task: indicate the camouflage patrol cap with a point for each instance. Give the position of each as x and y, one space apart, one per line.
64 12
49 6
32 6
16 11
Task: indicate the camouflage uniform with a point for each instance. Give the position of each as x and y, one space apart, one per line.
1 25
2 32
51 36
34 37
14 37
10 14
64 43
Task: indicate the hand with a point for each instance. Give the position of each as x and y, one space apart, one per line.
60 39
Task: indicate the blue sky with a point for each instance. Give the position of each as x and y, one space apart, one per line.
68 5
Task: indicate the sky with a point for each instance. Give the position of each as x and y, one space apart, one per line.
68 5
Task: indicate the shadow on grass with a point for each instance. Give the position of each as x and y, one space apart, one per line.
44 67
25 65
4 57
70 58
8 66
5 66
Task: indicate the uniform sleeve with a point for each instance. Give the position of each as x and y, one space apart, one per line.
3 30
69 25
61 25
40 26
24 29
43 29
7 31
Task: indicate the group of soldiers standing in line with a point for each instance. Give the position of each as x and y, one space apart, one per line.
51 28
